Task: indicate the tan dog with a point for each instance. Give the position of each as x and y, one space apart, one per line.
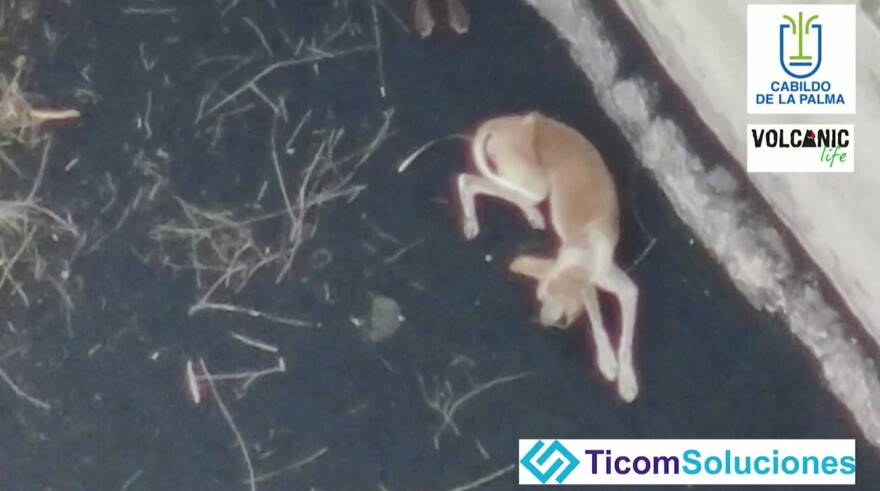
526 160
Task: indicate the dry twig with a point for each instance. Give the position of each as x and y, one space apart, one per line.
232 426
21 393
444 403
222 249
299 464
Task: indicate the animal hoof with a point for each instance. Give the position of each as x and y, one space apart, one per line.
627 386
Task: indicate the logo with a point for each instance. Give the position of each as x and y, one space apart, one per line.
798 61
811 68
555 448
800 148
712 463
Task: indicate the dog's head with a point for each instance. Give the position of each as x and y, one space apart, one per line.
562 300
561 297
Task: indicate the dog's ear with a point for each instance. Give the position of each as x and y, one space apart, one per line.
531 266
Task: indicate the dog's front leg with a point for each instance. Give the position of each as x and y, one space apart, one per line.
606 358
470 186
618 283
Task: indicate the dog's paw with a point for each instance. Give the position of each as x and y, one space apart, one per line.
471 227
551 314
627 386
535 219
607 363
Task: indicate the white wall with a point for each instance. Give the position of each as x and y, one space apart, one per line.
835 216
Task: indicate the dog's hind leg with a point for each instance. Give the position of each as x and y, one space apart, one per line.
616 281
470 186
606 359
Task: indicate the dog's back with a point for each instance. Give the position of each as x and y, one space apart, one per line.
583 196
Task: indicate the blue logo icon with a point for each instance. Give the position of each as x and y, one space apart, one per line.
797 63
570 462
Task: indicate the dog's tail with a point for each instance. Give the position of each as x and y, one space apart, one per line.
409 160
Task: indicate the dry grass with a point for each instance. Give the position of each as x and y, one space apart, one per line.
19 120
33 236
26 225
220 247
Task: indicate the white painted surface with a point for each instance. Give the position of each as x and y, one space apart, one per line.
702 45
836 217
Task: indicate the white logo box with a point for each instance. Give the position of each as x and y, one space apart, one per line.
770 47
835 461
779 158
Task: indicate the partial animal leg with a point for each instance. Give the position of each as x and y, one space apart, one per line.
606 359
616 281
459 19
470 186
596 259
422 18
535 267
541 268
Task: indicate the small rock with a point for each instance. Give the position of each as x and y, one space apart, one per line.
385 319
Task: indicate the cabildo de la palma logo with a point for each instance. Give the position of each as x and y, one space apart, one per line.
801 59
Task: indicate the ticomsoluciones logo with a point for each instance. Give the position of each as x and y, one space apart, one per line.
688 462
693 462
565 461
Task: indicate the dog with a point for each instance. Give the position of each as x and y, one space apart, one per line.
528 160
